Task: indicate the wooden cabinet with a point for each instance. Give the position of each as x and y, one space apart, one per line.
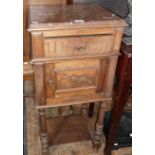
74 56
74 81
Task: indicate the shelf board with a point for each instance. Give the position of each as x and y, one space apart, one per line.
67 129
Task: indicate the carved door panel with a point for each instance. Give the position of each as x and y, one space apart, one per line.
74 78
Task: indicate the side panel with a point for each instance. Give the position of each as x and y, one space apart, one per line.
39 84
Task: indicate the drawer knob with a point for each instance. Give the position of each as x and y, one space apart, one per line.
50 82
80 48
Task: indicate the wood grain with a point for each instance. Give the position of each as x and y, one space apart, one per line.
110 75
45 2
99 126
37 45
27 71
78 99
75 46
73 128
39 84
102 74
76 66
26 34
76 78
43 132
75 92
87 63
79 15
50 80
78 31
78 148
118 38
70 78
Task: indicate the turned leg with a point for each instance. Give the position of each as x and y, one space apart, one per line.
43 133
91 109
99 127
84 110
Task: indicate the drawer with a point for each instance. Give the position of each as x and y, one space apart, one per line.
78 46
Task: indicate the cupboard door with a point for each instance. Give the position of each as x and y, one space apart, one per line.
74 78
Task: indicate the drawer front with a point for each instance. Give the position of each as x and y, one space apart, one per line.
78 46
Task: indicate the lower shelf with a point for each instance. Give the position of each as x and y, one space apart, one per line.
67 129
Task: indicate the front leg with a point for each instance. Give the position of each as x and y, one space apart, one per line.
99 127
43 133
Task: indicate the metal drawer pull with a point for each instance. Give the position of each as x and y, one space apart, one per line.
50 82
80 48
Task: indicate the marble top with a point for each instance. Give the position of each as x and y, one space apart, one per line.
78 14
